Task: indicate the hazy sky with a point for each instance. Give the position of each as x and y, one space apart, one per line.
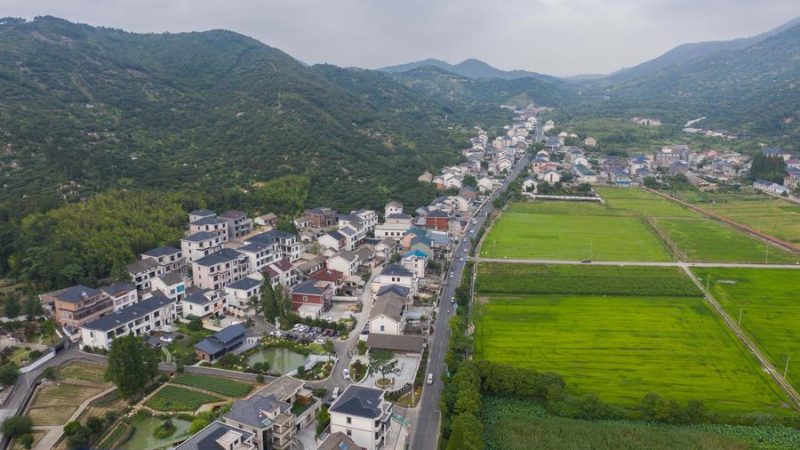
559 37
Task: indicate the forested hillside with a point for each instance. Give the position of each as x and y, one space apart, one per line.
212 114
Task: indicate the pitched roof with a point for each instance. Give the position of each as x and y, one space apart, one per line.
142 265
396 270
309 287
283 388
209 220
125 315
75 293
389 306
202 212
398 216
224 255
230 333
327 275
207 438
395 342
396 288
171 278
346 255
161 251
359 401
198 297
416 253
233 214
244 284
338 441
200 236
271 236
252 411
118 288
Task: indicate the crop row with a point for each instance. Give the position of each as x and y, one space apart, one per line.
222 386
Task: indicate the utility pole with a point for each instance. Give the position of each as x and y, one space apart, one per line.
708 282
740 317
766 257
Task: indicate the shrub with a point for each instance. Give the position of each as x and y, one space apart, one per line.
16 426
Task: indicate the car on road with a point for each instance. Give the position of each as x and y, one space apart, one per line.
336 392
452 274
430 378
586 261
452 299
346 374
461 259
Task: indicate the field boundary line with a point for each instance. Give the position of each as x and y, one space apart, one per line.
571 262
780 243
745 339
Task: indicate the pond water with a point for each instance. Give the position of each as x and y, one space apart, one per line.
281 360
143 439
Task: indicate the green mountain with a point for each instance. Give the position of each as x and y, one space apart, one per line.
752 91
467 92
84 109
469 68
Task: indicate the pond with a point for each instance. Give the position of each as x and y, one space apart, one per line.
281 360
143 439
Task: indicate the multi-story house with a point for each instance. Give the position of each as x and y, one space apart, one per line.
211 224
437 220
238 224
200 244
143 271
283 273
156 313
122 294
198 214
387 314
219 436
313 292
220 269
415 261
395 226
239 294
362 414
395 274
172 285
392 208
321 217
170 259
368 217
345 261
333 240
77 305
203 303
287 245
260 254
270 420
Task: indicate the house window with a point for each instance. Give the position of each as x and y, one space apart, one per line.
382 327
349 420
349 433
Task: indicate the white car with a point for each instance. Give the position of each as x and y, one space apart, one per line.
346 374
452 274
430 378
319 341
461 259
166 339
335 393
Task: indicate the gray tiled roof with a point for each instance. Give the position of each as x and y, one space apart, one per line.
395 270
224 255
125 315
200 236
161 251
250 411
207 438
142 265
359 401
76 293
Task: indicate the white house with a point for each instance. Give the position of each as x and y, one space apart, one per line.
123 294
200 244
551 177
220 269
415 262
203 303
363 415
171 285
238 295
395 274
392 208
387 314
156 313
345 261
485 184
529 185
395 226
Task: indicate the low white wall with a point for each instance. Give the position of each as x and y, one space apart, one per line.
43 359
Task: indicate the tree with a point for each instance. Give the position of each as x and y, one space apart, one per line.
382 362
50 373
16 425
32 308
470 181
195 323
26 440
269 304
9 374
201 421
132 364
651 182
78 436
283 302
12 306
395 258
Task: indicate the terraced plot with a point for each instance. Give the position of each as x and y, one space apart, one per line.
55 402
770 307
217 385
573 231
174 398
625 347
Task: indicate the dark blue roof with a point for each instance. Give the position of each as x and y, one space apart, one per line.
307 287
125 315
200 236
245 284
395 269
224 255
359 401
198 298
161 251
396 288
230 333
76 293
271 236
207 438
210 220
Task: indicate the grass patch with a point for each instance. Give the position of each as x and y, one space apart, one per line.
625 347
770 307
522 279
642 203
217 385
513 424
574 231
174 398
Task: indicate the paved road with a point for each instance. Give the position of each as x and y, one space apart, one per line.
425 426
638 263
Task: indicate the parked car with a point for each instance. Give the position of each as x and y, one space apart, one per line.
320 341
166 339
452 274
430 378
336 392
346 374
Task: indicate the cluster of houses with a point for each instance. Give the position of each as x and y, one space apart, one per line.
791 180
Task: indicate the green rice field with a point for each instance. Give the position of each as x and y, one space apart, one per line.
769 303
174 398
217 385
625 347
572 231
